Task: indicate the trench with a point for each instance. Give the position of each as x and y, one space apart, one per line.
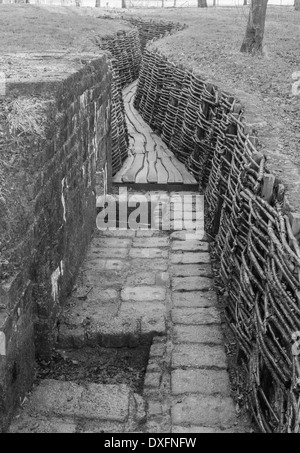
252 234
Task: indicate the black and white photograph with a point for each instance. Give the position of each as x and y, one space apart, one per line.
149 219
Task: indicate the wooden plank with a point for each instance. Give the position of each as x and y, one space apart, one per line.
138 120
130 88
161 154
139 144
136 166
132 118
186 176
150 143
141 177
127 164
162 174
160 144
152 173
174 175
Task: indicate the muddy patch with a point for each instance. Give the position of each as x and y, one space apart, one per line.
98 365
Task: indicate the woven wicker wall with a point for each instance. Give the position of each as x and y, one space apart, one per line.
150 29
125 48
258 252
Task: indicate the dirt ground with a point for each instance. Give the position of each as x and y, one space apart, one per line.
98 365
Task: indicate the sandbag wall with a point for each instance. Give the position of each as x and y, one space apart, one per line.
254 235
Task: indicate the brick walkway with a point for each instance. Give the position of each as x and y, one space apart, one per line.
139 287
144 286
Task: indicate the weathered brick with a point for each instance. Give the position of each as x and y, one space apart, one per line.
195 356
196 316
205 430
110 242
207 382
151 242
154 408
139 265
153 324
152 380
141 279
118 233
139 309
194 299
192 235
209 411
106 252
190 258
189 270
197 334
162 278
143 293
157 350
98 265
145 233
187 224
190 246
95 401
148 253
194 283
54 425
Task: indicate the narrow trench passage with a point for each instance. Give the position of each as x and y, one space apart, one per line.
140 346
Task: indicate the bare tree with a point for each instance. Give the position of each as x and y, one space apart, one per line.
297 5
202 3
254 36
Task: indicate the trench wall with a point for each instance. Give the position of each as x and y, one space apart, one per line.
55 197
151 29
58 174
126 48
255 234
125 53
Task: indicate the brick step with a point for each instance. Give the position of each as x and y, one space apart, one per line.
65 407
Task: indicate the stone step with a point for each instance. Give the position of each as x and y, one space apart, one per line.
65 407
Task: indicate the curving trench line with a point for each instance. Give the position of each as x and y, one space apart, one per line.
143 287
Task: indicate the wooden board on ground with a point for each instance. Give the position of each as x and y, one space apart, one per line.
151 161
118 178
187 177
162 174
152 173
174 174
141 177
136 166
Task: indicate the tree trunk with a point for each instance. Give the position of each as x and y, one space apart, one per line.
255 28
245 2
202 3
297 5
